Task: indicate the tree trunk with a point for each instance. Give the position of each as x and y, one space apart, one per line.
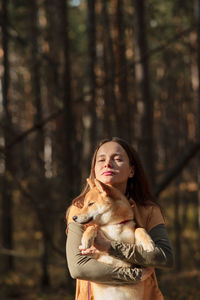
177 227
110 105
35 83
89 117
53 95
68 118
198 104
92 63
39 138
142 77
7 204
121 89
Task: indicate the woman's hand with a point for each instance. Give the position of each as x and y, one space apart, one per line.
90 251
101 244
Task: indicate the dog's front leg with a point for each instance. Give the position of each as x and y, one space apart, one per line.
143 239
88 237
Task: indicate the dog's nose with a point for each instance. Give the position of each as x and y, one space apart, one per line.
75 218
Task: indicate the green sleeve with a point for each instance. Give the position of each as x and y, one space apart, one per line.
161 257
87 268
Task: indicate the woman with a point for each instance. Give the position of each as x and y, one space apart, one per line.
116 163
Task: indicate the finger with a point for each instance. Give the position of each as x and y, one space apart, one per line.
87 252
81 247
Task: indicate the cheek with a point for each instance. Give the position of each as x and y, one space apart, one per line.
96 171
125 172
97 168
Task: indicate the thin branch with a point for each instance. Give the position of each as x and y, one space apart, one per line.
177 169
26 133
8 252
130 67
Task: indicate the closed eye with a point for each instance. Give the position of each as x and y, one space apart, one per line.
91 203
118 158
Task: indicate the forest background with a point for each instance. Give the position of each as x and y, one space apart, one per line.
72 73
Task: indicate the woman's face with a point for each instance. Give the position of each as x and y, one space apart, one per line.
112 165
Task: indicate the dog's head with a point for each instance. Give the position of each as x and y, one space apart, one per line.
101 205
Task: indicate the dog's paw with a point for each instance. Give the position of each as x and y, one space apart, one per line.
86 242
88 237
143 239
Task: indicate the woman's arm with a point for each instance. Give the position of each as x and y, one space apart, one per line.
161 257
87 268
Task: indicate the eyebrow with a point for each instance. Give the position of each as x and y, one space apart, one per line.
114 154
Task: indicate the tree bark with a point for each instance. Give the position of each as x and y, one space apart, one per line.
177 227
89 114
68 119
198 104
51 78
142 77
39 137
35 83
92 62
7 203
121 88
110 107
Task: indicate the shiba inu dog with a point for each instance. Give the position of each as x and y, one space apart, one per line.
108 209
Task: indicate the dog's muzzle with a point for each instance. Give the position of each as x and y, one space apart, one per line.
75 218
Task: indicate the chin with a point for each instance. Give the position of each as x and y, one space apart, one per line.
107 181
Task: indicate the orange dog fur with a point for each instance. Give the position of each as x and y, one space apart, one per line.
110 211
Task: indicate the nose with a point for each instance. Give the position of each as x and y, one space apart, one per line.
75 218
108 163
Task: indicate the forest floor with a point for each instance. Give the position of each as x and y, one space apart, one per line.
181 286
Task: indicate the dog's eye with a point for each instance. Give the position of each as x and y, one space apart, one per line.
91 203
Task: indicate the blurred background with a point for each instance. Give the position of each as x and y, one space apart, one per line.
74 72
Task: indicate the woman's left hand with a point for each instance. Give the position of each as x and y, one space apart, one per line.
90 251
101 244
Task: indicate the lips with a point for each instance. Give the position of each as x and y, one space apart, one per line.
108 173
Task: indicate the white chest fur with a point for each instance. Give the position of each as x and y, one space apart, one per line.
121 233
130 292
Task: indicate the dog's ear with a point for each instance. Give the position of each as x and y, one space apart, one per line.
103 188
107 190
91 184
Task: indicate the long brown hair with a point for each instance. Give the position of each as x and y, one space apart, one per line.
138 187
